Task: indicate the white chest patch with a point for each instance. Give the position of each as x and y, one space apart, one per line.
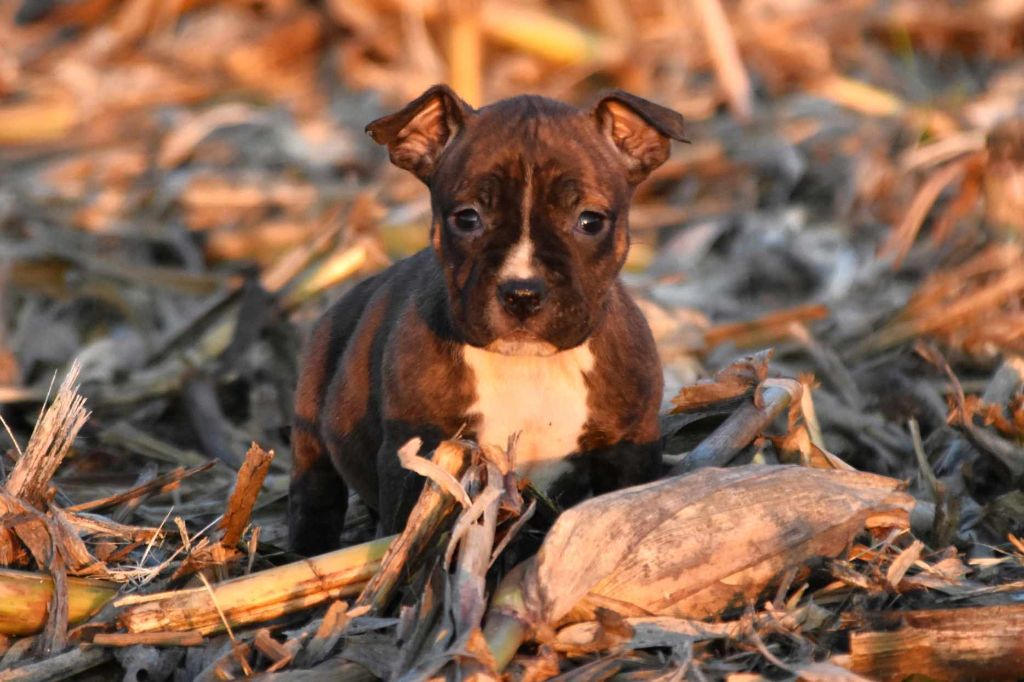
542 398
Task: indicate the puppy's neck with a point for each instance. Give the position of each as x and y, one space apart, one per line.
521 348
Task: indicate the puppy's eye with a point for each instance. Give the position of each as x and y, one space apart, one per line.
466 221
590 223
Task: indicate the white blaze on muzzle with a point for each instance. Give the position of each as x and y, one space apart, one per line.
519 262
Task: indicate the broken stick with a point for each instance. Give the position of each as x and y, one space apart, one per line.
243 497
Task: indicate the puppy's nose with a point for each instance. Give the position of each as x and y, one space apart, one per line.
522 297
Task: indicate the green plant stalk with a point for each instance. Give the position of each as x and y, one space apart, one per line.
25 596
508 623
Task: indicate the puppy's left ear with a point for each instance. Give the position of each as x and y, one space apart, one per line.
639 130
416 135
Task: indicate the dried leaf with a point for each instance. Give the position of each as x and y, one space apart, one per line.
735 381
899 567
408 455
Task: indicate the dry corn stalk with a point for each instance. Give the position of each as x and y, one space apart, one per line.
434 506
259 596
983 642
465 49
527 28
363 252
765 330
688 546
456 649
50 442
269 594
725 56
25 596
963 306
41 119
1004 178
771 398
50 540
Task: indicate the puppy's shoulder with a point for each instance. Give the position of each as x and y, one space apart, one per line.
624 339
626 383
368 308
424 379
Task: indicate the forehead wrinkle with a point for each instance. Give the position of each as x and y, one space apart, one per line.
490 186
560 188
570 181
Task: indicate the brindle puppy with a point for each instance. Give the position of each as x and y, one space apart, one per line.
513 321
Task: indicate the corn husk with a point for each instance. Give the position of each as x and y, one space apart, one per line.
689 546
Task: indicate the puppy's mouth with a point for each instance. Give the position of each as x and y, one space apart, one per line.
521 342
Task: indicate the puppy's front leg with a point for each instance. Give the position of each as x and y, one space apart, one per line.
317 495
399 487
623 465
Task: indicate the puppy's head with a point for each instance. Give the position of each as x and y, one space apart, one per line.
530 205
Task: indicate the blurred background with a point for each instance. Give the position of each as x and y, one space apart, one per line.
185 184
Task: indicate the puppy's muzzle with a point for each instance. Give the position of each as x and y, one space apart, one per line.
522 298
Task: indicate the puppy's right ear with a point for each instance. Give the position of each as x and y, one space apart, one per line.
416 135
